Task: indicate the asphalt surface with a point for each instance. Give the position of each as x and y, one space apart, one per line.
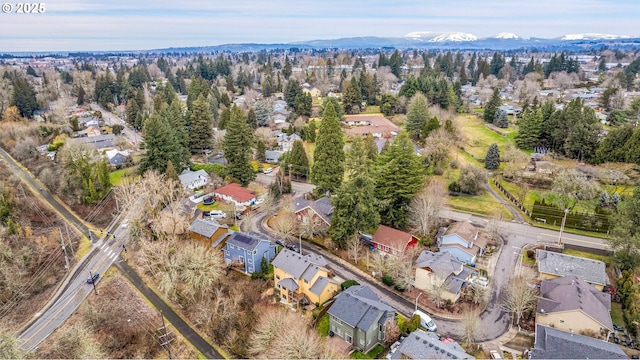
104 252
133 137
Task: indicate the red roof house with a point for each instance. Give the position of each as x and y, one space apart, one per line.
236 193
392 241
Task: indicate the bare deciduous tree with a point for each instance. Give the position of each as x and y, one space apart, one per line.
470 325
9 346
285 225
402 267
354 248
437 289
518 297
425 208
570 186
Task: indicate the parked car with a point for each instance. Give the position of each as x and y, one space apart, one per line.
239 216
425 320
495 354
268 171
93 278
293 247
217 214
280 242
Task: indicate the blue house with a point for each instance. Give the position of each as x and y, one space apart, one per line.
463 241
246 250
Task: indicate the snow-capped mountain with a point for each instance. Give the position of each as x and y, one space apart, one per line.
593 36
506 36
432 36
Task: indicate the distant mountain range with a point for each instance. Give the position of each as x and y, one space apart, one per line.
414 40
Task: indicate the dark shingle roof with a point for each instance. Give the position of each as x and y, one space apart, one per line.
570 293
296 265
99 142
322 207
205 228
442 263
591 271
288 284
427 345
245 240
557 344
360 307
320 284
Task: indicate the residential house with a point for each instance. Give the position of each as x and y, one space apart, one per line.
93 130
117 157
360 318
237 194
272 156
321 209
208 231
569 303
377 125
312 90
463 241
428 345
100 142
553 343
245 251
193 179
392 241
285 142
553 265
303 279
441 269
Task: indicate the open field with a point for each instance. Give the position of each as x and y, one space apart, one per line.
478 137
115 177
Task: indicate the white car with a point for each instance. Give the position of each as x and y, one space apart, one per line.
495 354
268 171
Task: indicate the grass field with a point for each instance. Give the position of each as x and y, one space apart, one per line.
372 109
479 137
587 255
616 314
484 205
310 148
115 177
373 354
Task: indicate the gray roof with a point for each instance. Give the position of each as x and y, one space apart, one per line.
359 307
273 155
442 263
188 176
247 241
427 345
552 343
320 284
288 284
205 228
322 207
591 271
570 293
99 142
296 265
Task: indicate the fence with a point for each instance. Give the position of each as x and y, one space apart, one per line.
512 199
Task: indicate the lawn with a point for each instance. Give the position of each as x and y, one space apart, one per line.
479 137
616 314
115 177
371 109
483 204
214 206
309 148
323 325
373 354
588 255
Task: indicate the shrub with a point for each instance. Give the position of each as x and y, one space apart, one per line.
387 280
349 283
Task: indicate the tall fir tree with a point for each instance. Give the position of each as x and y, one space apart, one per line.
529 129
298 160
399 177
492 106
24 97
81 95
201 130
417 116
161 145
355 205
500 119
237 148
328 159
492 159
177 122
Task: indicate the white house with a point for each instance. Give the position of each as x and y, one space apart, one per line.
194 179
285 142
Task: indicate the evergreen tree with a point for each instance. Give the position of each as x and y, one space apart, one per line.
261 149
399 177
298 160
177 122
417 116
160 144
237 148
501 120
371 147
286 70
632 148
81 95
171 172
529 129
131 111
252 119
225 116
492 159
352 97
355 205
328 159
201 130
311 131
492 106
24 97
613 147
429 126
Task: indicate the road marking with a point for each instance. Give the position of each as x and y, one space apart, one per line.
102 247
578 240
110 252
516 247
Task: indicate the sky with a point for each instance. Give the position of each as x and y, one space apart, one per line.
74 25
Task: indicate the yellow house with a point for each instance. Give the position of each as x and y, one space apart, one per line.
303 278
441 272
312 90
571 304
553 265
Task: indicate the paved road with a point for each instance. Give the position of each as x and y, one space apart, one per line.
101 256
131 135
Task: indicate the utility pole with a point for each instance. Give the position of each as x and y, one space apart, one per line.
93 282
69 240
564 220
165 341
64 250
